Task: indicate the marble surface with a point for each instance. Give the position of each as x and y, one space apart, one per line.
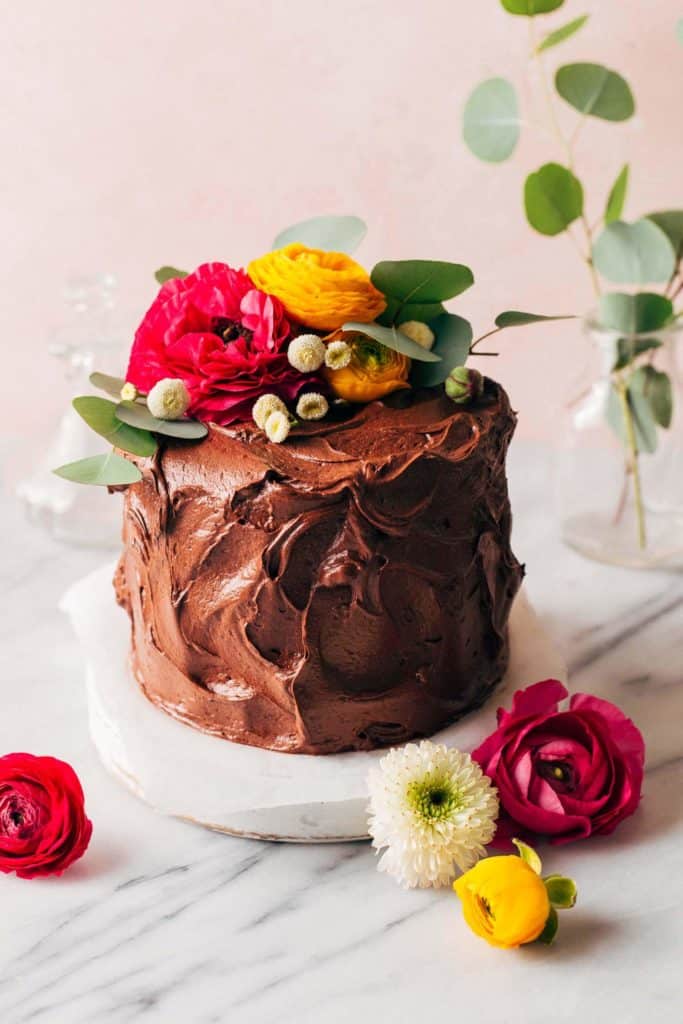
163 922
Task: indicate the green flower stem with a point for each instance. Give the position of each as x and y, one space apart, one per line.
632 445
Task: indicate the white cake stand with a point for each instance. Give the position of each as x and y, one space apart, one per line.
243 790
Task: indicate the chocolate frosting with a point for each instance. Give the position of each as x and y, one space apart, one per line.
347 589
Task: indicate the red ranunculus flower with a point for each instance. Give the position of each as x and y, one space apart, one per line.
224 338
562 774
43 825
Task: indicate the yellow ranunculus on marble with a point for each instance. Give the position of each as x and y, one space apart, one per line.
320 289
504 901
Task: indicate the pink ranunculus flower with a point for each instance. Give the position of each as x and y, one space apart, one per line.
225 339
560 774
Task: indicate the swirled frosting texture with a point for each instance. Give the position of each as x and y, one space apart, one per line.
345 590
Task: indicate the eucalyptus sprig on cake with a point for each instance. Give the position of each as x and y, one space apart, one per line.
302 331
636 254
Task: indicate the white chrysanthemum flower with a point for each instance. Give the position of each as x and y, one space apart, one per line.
263 407
418 332
337 355
129 392
431 809
277 426
168 399
312 406
306 353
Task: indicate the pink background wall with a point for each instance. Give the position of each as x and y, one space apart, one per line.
137 133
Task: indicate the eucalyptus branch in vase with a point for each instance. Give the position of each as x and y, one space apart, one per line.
633 254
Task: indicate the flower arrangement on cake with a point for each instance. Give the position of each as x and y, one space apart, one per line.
302 329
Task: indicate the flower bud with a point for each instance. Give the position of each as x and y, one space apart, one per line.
418 332
168 399
277 426
337 355
312 406
263 407
463 385
306 353
129 392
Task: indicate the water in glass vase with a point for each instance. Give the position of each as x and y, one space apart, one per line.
619 480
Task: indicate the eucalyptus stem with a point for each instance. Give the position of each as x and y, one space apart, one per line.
632 446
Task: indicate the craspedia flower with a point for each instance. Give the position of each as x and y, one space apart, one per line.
312 406
306 353
432 810
277 427
317 288
337 355
168 399
263 407
372 372
418 332
129 392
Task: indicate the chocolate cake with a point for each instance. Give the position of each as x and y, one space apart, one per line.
343 591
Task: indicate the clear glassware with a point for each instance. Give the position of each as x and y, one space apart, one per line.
611 507
91 337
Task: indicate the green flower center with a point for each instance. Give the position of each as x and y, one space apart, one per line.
433 799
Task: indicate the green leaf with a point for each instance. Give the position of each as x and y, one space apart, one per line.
617 196
562 891
110 470
595 91
453 337
655 388
635 314
644 424
136 415
491 120
528 855
111 385
560 34
629 349
421 280
531 7
547 936
333 234
553 199
679 30
671 223
392 338
100 415
515 318
164 274
399 312
634 253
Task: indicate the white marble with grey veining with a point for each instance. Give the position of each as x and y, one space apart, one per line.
165 922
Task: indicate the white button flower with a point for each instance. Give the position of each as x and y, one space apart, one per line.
306 353
312 406
277 427
418 332
263 407
168 399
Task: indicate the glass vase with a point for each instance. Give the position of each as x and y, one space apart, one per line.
619 475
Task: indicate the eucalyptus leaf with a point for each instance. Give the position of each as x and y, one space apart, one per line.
560 34
553 199
595 91
635 314
515 318
655 388
562 891
392 338
421 281
398 312
164 274
111 385
453 337
634 253
644 423
617 197
110 470
679 30
671 223
547 936
100 415
528 855
333 234
531 7
136 415
629 349
491 120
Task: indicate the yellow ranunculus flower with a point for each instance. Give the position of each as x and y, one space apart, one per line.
504 901
320 289
372 372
